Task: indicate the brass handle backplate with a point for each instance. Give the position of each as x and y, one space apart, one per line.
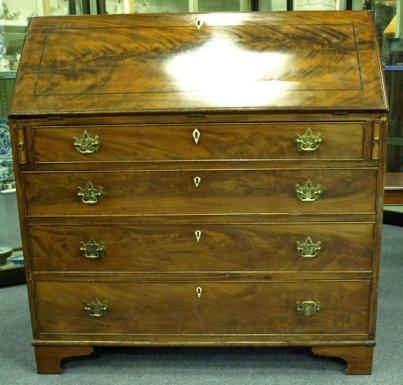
90 194
307 192
86 144
91 249
96 308
308 141
309 248
307 307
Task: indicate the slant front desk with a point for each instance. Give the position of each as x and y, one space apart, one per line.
201 180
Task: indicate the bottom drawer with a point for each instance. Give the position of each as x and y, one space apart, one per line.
258 307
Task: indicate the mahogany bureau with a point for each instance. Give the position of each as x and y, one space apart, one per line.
201 180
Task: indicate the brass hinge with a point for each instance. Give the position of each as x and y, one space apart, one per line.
21 146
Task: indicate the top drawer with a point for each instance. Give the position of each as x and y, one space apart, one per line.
206 141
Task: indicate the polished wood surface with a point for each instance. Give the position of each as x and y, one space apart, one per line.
390 30
394 188
228 247
219 192
49 358
216 142
358 358
249 83
222 308
228 61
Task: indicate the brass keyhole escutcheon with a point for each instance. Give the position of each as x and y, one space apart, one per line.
198 235
199 291
196 135
197 181
199 23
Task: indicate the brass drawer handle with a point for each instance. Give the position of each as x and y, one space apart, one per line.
86 144
91 249
96 308
307 192
90 194
199 291
308 141
196 135
307 307
198 235
197 181
309 248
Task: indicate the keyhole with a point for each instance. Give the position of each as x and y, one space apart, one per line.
198 235
199 23
196 135
197 181
199 291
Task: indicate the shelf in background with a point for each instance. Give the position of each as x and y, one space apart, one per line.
394 188
8 74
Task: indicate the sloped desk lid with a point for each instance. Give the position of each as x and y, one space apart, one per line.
290 61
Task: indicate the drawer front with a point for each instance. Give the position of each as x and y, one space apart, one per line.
221 141
203 247
203 307
199 192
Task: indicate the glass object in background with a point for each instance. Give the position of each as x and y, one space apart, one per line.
303 5
224 5
118 6
272 5
11 257
16 12
319 5
155 6
182 6
53 7
13 23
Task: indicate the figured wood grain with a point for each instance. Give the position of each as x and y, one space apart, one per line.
225 247
143 83
219 192
223 307
151 56
322 64
217 141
